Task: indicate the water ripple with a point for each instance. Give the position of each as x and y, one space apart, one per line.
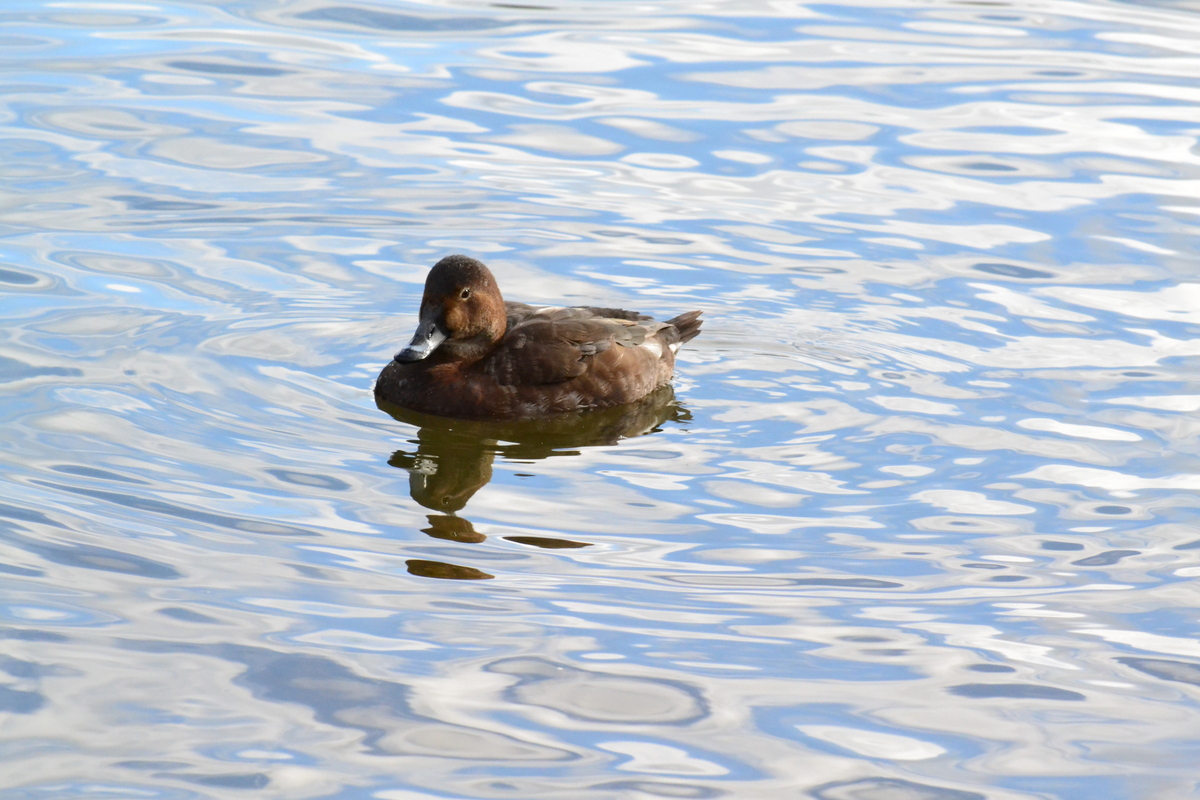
918 521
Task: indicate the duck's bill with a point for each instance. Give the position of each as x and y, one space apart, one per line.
427 338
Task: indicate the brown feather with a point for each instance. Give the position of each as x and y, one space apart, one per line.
505 360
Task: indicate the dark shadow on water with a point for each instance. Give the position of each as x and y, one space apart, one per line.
454 529
546 543
440 569
452 459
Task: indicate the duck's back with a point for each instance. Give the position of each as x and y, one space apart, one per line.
552 345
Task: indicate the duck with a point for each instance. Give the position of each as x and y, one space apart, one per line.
476 356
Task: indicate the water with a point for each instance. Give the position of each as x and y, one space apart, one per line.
920 522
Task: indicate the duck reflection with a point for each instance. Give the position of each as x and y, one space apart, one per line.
453 458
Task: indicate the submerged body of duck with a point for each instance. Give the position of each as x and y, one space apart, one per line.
474 356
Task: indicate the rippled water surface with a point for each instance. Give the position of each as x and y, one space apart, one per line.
919 523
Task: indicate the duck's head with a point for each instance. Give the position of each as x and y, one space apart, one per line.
462 313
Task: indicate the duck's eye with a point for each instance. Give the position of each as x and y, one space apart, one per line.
464 294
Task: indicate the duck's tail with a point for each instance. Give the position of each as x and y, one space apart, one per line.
688 325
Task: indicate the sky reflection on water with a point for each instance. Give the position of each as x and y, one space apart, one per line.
919 523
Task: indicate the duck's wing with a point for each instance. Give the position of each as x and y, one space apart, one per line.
516 312
519 312
611 313
552 345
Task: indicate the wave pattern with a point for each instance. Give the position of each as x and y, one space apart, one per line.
920 522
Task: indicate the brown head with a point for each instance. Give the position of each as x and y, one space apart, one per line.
462 313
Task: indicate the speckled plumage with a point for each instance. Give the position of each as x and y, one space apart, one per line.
495 360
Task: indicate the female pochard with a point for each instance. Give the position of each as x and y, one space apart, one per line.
475 356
